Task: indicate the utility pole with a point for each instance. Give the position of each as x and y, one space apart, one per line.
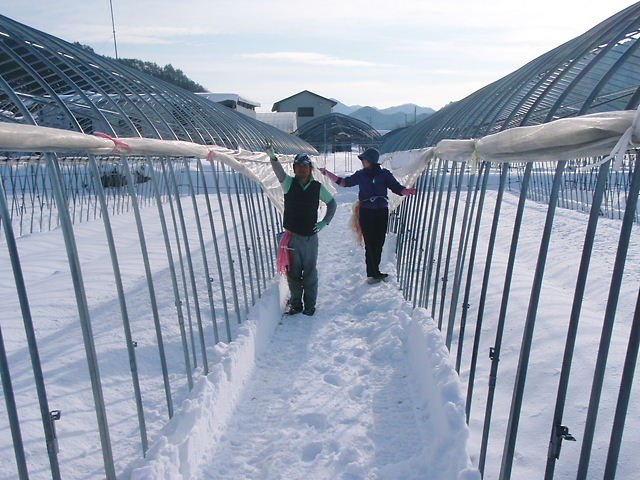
113 27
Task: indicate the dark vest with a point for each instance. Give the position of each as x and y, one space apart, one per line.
301 207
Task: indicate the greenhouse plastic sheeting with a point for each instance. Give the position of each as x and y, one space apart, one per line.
255 165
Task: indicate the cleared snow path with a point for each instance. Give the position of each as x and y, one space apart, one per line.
330 397
341 394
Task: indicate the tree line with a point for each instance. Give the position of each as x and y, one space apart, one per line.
168 73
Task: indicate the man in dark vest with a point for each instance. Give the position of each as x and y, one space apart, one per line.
302 195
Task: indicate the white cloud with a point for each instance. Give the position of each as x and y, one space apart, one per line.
311 58
428 52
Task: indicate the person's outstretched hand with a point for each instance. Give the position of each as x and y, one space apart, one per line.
327 173
408 191
268 148
319 226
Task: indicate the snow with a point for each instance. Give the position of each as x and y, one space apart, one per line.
364 389
347 393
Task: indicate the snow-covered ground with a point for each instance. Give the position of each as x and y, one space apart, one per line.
364 389
347 393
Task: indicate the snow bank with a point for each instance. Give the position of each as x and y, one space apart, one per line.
439 400
202 418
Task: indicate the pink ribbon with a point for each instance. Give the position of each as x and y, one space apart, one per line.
283 261
117 142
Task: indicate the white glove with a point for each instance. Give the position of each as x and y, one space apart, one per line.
270 151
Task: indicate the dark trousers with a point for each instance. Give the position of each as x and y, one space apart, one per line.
373 223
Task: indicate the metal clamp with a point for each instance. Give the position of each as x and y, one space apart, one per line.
54 415
560 432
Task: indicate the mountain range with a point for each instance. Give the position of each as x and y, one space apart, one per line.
385 118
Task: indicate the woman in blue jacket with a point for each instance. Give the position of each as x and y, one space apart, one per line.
373 182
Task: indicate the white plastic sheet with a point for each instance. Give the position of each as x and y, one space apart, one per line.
564 139
255 165
406 166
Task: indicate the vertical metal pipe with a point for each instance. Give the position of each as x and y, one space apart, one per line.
434 234
23 298
171 263
12 413
214 235
205 262
494 353
414 238
234 175
456 275
225 229
626 383
426 177
240 185
121 299
187 252
85 320
574 318
253 234
609 317
424 217
443 233
269 234
423 296
253 219
472 258
183 276
404 232
152 293
523 361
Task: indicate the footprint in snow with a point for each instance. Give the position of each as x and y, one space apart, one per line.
315 420
333 380
311 451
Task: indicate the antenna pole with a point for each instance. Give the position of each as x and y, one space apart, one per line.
113 26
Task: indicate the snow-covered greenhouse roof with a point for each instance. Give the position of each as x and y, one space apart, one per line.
48 82
596 72
336 127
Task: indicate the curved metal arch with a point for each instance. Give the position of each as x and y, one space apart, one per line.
607 76
73 85
45 86
579 48
594 61
119 97
61 46
17 102
591 64
78 54
326 127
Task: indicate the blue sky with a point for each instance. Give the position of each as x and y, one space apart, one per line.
379 53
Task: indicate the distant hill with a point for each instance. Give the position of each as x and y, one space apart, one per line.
167 73
344 109
386 118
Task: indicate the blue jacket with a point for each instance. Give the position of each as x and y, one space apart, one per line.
373 185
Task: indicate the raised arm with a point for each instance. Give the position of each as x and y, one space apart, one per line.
277 168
